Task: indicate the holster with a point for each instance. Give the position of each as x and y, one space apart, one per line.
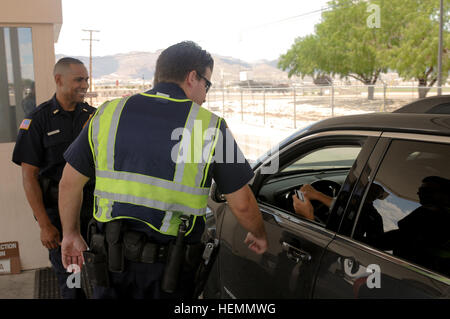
95 259
208 257
96 268
175 260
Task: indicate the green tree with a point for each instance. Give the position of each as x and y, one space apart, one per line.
304 58
347 44
343 45
415 55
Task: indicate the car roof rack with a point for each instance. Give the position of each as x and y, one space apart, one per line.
432 105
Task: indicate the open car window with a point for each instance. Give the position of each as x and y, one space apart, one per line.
324 166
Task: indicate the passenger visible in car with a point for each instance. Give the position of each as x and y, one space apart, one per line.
423 236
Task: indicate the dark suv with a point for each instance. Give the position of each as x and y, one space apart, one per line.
387 233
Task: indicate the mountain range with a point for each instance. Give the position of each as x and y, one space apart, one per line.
138 65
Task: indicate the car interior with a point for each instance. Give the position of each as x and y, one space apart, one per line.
324 166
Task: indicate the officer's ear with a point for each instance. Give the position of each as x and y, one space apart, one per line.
188 84
191 78
58 79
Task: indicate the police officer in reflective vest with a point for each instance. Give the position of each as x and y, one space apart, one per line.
153 157
44 135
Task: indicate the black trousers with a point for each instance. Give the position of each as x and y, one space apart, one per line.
143 281
56 261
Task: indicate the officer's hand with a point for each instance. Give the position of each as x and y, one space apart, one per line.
258 245
72 248
50 236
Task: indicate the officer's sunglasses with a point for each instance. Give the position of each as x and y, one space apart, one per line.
207 83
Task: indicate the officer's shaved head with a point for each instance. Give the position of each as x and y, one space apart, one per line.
63 65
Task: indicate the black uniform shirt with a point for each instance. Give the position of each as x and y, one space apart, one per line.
46 133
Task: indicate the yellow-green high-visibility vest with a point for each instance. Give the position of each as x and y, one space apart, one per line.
186 194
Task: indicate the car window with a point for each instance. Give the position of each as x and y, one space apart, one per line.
324 166
406 211
327 158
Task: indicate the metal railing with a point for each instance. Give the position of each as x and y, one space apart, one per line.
293 107
286 106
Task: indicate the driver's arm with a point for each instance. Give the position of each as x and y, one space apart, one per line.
312 194
303 208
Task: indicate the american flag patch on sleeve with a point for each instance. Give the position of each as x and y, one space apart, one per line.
25 124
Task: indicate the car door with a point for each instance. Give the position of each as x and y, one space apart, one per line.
296 245
393 241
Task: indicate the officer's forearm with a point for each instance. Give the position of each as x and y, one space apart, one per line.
70 199
243 205
252 221
33 193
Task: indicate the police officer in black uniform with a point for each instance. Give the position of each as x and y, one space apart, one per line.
141 266
44 135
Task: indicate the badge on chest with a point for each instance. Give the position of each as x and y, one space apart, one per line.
53 132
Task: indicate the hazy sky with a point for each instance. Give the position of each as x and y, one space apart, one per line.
244 29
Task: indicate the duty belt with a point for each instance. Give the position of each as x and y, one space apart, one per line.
137 248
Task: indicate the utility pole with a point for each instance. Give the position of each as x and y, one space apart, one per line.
441 23
90 59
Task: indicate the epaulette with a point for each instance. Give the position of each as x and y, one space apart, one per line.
87 108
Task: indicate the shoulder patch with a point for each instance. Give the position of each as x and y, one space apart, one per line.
25 124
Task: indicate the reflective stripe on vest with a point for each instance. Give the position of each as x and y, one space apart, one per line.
185 194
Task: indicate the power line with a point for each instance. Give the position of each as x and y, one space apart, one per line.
293 17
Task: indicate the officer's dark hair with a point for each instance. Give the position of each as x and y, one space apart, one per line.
175 62
64 63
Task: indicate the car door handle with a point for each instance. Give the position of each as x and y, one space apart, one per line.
296 254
